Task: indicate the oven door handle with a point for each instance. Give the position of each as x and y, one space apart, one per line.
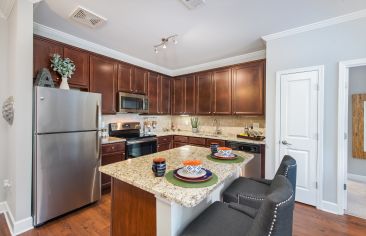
141 141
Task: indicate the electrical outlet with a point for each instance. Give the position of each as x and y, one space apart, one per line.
6 183
256 126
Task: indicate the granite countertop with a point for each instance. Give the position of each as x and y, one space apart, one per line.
212 136
137 172
109 140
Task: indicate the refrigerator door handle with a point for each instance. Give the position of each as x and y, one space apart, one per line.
97 115
98 145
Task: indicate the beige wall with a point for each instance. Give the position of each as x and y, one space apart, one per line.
3 95
20 85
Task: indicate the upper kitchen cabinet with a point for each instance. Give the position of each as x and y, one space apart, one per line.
103 79
221 92
190 97
248 88
164 95
203 93
178 96
159 94
153 85
183 95
125 77
139 83
43 50
80 78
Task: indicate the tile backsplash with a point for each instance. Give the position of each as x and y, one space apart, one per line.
229 125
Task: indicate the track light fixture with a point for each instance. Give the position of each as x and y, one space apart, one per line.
165 41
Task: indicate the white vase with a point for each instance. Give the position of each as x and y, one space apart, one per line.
64 84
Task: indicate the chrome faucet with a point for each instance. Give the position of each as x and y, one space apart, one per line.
216 123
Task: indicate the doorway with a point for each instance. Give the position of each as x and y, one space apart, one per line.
356 149
299 127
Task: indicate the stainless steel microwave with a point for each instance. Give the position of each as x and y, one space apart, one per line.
132 103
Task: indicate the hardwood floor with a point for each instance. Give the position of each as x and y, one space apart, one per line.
94 220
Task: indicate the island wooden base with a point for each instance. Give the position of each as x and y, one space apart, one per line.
133 210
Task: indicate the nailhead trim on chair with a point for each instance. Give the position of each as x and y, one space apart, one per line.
250 197
275 214
287 168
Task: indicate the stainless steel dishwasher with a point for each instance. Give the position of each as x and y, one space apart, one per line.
254 167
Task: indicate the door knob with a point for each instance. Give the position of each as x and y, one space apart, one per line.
284 142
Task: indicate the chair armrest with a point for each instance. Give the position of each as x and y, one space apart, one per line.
251 200
263 181
249 211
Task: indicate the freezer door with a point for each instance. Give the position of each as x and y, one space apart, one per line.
66 175
58 110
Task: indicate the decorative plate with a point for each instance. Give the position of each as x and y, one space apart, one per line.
183 173
204 178
232 156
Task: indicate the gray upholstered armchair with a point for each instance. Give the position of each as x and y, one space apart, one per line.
274 217
252 191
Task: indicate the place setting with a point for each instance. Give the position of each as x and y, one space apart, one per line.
191 175
223 155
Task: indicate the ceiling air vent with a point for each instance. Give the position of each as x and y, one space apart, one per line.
192 4
87 17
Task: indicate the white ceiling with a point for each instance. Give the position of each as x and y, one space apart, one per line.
217 30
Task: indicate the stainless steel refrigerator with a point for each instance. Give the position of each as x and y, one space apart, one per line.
66 151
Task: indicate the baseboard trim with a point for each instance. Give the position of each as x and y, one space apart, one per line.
16 227
2 207
358 178
330 207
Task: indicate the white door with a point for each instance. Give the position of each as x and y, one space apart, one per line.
298 129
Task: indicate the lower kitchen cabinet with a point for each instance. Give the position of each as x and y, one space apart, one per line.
196 141
221 143
177 144
165 143
111 153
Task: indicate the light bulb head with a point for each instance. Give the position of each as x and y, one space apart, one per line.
164 45
175 41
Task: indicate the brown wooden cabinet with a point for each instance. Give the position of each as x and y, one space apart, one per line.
43 50
80 79
111 153
218 141
153 79
164 143
178 96
203 93
197 141
183 95
139 83
164 95
190 95
125 77
159 94
103 79
248 88
221 92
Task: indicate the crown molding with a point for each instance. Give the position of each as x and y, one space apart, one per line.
5 8
221 63
318 25
66 38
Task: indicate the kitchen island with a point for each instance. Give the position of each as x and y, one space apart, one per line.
143 204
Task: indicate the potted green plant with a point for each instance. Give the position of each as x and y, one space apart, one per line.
194 124
65 67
